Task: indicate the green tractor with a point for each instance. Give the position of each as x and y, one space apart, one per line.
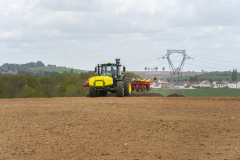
110 79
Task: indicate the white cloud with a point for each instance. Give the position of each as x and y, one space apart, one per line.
71 32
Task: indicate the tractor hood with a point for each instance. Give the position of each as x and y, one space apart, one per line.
101 81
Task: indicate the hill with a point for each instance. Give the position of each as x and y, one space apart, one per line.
55 69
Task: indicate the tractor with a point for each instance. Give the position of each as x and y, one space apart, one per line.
110 79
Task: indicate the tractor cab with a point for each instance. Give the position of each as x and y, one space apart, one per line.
112 70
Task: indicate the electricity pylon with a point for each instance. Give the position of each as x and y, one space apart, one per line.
176 72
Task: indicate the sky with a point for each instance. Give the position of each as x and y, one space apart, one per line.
84 33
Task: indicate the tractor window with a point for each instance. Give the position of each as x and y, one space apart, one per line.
109 69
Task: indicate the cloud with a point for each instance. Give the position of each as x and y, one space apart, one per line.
71 32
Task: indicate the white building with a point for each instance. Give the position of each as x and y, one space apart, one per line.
205 83
180 86
162 81
156 86
195 84
233 84
152 84
220 85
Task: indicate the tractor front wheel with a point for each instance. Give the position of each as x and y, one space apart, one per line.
92 91
120 89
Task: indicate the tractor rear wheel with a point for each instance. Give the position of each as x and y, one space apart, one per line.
127 86
92 91
120 89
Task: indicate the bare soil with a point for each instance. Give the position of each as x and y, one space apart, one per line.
138 95
120 128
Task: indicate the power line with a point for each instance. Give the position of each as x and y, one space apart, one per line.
216 64
217 60
206 67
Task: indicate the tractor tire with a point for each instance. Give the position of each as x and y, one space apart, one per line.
92 91
127 86
120 89
137 88
133 87
148 88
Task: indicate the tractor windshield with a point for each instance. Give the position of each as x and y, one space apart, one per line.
109 69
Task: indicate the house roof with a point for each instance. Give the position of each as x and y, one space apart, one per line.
162 81
163 85
205 82
233 82
156 85
179 85
195 83
220 83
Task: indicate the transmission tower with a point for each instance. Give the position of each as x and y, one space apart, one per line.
176 71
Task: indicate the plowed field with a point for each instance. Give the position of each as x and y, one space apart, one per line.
120 128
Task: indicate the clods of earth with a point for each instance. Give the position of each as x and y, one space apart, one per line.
131 128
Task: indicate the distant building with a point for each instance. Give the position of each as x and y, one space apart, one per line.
157 86
179 86
167 86
233 84
195 84
189 87
162 81
205 83
220 85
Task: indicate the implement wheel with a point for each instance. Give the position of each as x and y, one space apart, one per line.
92 91
120 89
142 88
148 88
137 88
127 86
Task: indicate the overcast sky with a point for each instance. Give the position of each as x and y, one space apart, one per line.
82 33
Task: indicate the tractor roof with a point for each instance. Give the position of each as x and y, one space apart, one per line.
110 64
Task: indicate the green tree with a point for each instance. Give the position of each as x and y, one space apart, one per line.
210 79
196 78
2 84
32 82
71 71
28 92
18 82
191 79
234 75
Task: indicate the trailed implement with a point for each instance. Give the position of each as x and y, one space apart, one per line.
142 84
